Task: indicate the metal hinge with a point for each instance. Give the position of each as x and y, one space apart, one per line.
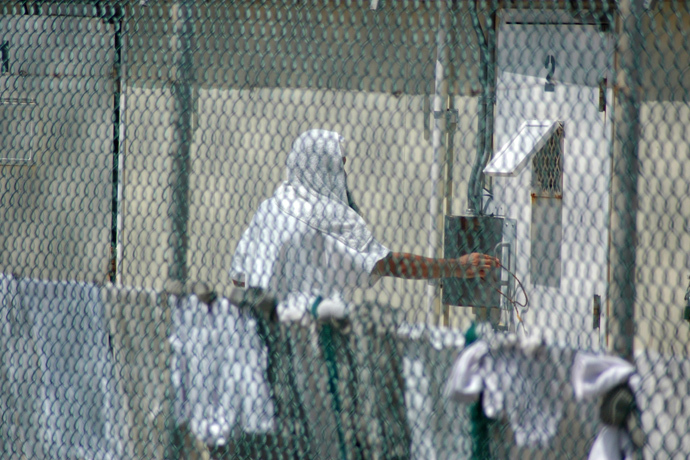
452 118
596 312
602 94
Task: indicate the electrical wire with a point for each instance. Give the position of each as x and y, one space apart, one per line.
512 301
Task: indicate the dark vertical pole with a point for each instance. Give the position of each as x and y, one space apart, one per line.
117 92
183 78
486 108
182 118
624 178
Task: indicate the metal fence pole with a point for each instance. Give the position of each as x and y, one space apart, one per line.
183 78
182 123
436 176
624 179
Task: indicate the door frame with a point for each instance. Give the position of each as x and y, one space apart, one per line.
558 16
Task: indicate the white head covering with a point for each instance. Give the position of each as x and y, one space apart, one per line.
316 163
316 189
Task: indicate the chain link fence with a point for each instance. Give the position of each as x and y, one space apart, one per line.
243 229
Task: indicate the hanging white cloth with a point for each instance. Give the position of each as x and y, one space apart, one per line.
219 371
466 380
305 241
523 381
593 376
612 444
438 426
78 399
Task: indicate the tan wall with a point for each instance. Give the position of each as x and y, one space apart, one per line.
663 218
56 211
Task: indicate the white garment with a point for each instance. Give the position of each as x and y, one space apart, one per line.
78 401
438 427
219 370
523 381
305 241
466 380
594 375
612 444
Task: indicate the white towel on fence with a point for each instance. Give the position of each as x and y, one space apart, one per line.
517 378
219 371
592 376
612 444
78 399
466 380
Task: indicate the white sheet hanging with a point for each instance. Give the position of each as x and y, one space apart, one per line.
219 371
77 386
593 376
438 426
524 382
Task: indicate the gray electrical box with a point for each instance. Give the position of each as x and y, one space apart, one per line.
464 235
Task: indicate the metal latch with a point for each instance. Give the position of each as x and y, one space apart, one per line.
686 312
452 118
602 94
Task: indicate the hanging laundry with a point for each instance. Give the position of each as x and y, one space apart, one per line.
219 371
518 378
601 375
438 427
78 399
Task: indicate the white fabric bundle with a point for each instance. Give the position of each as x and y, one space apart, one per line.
467 375
219 371
517 378
592 376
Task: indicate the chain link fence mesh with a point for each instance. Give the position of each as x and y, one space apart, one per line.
184 273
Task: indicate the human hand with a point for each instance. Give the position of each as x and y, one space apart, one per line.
476 264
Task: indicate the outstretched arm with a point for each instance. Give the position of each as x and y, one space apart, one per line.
410 266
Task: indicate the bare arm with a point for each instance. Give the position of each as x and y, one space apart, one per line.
410 266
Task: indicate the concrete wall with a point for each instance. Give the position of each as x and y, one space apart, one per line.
663 216
55 220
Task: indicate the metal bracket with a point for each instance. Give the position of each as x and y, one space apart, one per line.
596 312
452 118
